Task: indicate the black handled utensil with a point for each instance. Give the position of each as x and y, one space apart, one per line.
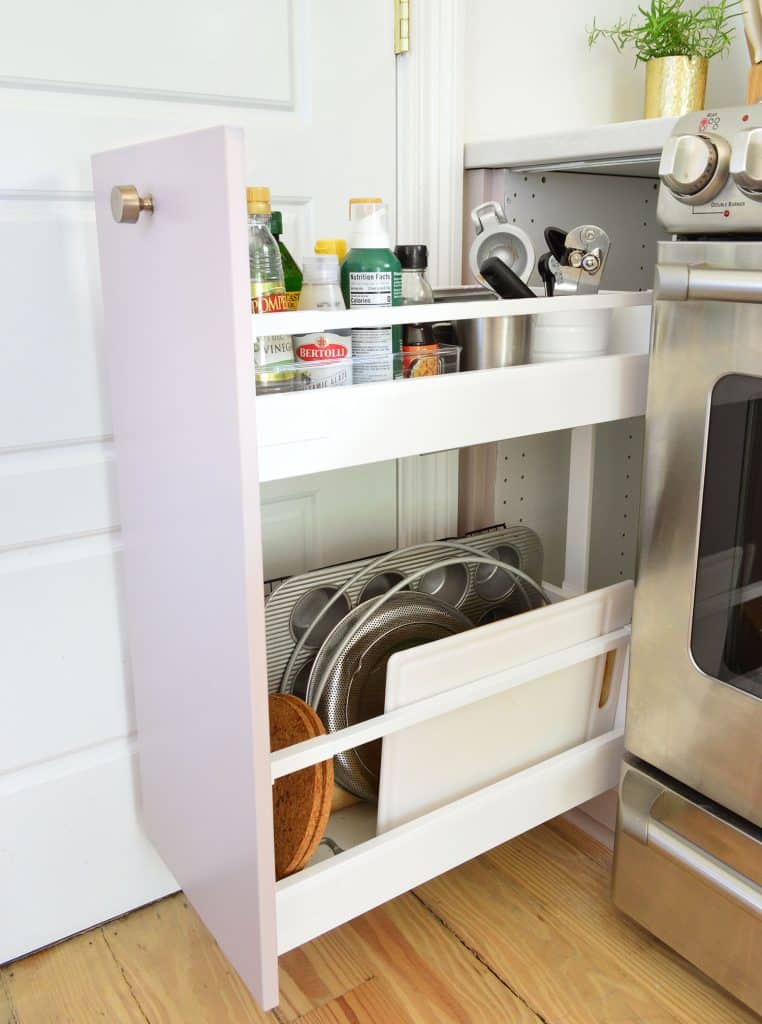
545 270
555 239
504 281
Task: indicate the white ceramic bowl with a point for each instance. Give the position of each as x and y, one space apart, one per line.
570 335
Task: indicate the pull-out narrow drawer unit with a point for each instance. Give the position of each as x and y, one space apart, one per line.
486 733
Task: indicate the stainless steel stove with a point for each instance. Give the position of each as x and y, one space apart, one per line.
688 859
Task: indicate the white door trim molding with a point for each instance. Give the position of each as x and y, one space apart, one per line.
427 497
430 209
430 135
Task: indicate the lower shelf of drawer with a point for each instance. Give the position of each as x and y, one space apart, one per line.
381 867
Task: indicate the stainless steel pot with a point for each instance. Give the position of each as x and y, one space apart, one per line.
486 343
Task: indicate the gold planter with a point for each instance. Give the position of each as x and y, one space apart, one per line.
675 85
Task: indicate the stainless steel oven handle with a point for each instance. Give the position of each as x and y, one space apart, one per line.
639 817
703 864
677 282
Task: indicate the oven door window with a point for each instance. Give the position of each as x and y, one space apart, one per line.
726 635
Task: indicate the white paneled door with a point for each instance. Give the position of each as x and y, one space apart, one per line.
313 84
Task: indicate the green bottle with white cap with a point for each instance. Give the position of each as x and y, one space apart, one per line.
371 278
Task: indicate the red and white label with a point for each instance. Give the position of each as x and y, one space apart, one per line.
326 357
320 348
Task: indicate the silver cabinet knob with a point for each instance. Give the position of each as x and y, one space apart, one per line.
746 162
127 204
688 164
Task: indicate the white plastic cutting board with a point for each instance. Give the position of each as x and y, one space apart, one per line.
431 764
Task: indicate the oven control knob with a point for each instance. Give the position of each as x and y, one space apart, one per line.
688 164
746 162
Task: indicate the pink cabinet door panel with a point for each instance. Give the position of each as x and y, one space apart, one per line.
178 333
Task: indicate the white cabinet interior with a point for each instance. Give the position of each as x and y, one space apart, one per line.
537 180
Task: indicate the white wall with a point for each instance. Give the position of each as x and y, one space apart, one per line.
528 68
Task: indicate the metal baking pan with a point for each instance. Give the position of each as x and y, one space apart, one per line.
482 593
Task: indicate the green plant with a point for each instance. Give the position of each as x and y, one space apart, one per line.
667 29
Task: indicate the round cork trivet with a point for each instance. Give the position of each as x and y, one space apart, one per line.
302 800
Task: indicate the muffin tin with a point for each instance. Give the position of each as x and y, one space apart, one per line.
483 593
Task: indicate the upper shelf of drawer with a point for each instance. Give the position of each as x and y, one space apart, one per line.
312 431
265 324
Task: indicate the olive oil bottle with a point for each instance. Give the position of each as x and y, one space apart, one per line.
274 355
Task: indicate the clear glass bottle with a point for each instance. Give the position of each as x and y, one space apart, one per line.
273 356
414 260
324 357
419 347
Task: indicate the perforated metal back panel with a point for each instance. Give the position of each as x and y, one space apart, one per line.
624 207
533 472
532 487
618 469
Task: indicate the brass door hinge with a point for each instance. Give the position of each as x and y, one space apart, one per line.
401 26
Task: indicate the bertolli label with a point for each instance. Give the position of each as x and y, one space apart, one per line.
325 345
325 357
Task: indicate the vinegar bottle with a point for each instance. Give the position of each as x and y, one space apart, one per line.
323 357
273 356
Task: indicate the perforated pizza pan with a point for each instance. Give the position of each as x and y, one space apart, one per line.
355 687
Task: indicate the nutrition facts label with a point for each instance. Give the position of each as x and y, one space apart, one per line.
370 288
372 349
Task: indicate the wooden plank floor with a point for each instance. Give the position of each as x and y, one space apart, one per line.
522 935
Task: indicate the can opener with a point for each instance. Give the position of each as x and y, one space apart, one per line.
580 268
